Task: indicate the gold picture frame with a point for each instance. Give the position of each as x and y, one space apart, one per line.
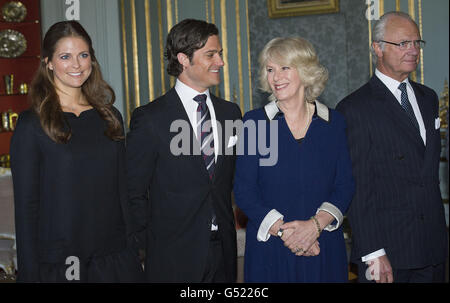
289 8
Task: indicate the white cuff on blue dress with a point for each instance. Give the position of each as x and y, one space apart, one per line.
335 212
263 231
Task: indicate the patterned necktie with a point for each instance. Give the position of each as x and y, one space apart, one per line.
407 105
205 133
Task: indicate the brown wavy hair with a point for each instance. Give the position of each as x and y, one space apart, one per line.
44 98
186 37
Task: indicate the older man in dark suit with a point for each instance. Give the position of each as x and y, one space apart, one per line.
397 215
180 182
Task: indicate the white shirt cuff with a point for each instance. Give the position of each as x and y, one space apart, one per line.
263 231
375 254
335 212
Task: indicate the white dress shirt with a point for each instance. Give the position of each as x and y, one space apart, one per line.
392 85
187 95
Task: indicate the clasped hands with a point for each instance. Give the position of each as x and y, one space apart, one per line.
300 237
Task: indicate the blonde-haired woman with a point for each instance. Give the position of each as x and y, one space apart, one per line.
309 188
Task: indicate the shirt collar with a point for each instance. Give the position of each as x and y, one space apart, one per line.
390 83
321 111
187 93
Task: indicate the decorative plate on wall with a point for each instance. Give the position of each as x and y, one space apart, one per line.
14 11
12 43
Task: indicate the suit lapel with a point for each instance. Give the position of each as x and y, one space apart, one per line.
428 116
220 118
425 109
394 110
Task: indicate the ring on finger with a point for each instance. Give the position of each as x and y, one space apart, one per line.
280 232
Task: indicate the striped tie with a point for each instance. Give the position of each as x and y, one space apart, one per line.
407 105
205 133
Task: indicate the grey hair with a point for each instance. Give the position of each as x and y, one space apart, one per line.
379 28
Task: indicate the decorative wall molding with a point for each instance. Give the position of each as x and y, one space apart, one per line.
143 54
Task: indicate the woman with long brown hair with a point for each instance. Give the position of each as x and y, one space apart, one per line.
67 161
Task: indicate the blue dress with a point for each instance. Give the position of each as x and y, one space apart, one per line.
305 175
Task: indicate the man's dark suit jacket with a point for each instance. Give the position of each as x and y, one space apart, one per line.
172 197
397 205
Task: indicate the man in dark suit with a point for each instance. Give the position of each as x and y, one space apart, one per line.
180 182
397 216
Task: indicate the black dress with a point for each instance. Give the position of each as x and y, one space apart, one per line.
70 201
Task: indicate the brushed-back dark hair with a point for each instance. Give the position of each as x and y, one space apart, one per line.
44 97
186 37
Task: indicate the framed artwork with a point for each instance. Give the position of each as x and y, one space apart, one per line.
289 8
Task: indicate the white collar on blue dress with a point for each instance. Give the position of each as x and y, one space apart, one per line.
322 110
